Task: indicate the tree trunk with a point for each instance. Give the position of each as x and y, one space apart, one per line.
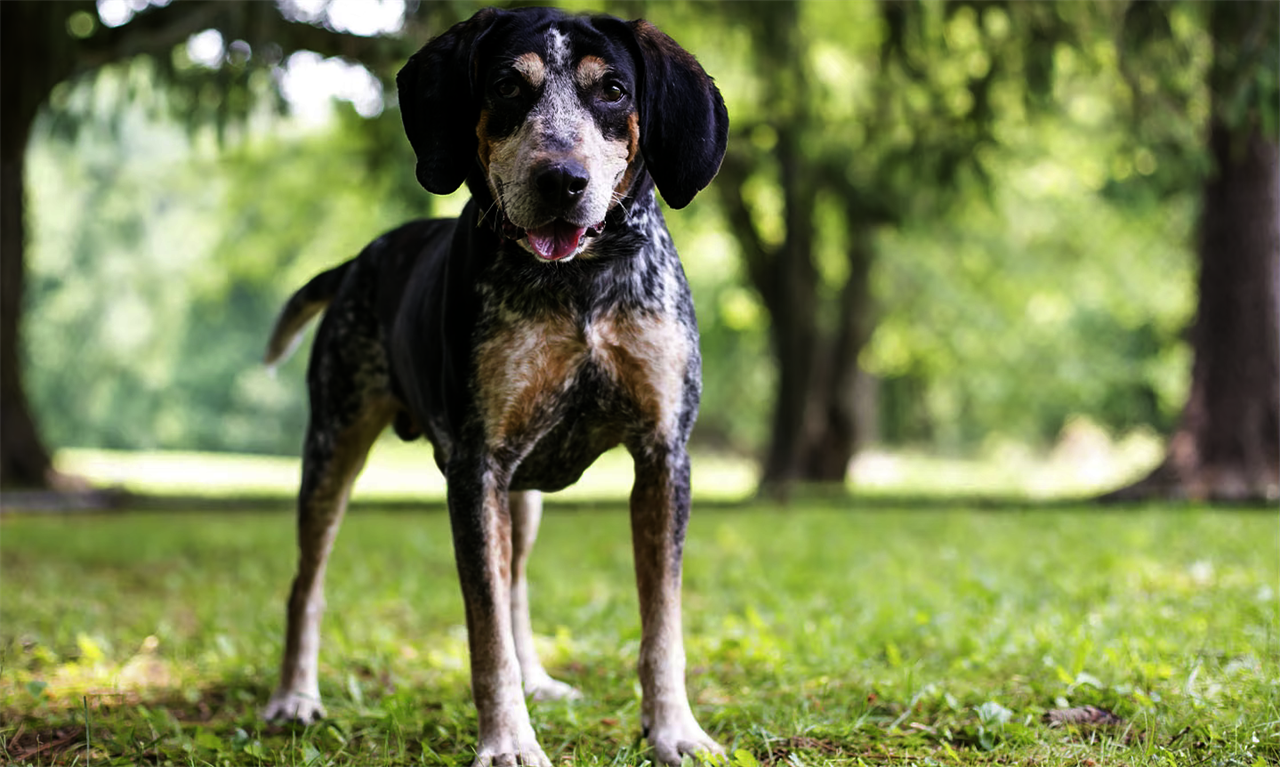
836 429
811 433
30 65
816 429
793 312
814 424
24 461
1227 445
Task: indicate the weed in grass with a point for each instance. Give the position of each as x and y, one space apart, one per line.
816 635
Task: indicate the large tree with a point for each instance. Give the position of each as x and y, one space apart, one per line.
44 45
904 146
1227 444
913 138
807 412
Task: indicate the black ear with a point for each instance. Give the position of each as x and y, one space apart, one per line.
439 106
684 126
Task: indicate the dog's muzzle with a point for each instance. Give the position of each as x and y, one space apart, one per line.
560 186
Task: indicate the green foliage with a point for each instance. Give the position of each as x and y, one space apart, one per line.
1046 302
159 267
1027 183
1025 270
1187 59
841 637
106 288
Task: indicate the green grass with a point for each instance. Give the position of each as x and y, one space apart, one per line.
820 633
1085 463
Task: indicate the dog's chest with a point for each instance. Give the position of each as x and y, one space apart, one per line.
577 385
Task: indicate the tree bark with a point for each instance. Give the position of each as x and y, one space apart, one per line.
24 461
794 328
1227 444
837 428
27 75
815 426
812 434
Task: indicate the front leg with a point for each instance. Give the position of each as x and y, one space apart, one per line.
526 514
482 547
659 516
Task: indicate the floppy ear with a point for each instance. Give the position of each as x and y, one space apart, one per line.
439 106
683 123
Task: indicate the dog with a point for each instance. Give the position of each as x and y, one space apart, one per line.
547 324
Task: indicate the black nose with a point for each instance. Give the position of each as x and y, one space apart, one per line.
562 182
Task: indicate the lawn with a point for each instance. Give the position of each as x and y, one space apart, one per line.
825 632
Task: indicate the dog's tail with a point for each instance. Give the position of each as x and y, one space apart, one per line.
301 307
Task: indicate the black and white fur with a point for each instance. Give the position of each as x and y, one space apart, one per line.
550 322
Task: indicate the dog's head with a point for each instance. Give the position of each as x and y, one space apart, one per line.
563 115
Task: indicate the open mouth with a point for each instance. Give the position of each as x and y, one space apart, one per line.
554 240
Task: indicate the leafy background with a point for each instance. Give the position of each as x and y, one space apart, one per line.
1052 288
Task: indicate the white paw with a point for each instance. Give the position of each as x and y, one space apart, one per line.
673 740
543 687
511 752
286 706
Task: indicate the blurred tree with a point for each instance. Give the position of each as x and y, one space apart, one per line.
858 190
1227 445
43 45
888 128
918 139
812 430
156 267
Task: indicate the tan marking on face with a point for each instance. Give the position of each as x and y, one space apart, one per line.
531 68
623 186
483 143
633 137
648 359
591 70
521 371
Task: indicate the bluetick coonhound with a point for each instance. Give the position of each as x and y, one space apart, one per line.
548 323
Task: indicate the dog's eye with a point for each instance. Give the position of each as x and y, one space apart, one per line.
612 93
507 88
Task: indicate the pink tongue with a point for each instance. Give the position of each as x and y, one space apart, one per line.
555 240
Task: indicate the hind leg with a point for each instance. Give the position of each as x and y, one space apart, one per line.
526 513
333 457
